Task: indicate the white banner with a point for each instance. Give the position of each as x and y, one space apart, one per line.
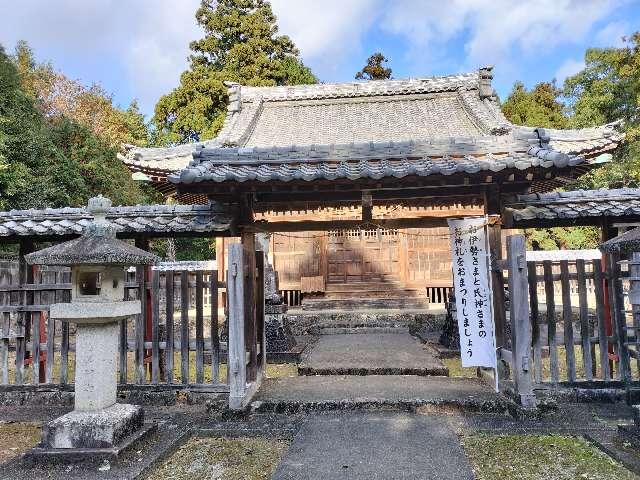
471 281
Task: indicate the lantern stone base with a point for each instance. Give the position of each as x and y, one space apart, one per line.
102 434
99 429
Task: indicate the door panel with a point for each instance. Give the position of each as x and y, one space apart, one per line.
363 256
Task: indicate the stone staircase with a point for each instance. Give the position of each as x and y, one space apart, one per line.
362 307
387 295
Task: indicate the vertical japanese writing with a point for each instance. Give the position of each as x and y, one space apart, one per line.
473 295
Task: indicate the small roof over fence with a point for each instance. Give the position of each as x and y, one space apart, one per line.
129 221
626 242
578 207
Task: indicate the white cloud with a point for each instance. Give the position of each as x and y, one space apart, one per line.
611 34
326 31
570 67
148 39
495 31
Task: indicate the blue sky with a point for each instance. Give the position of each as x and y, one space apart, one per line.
138 48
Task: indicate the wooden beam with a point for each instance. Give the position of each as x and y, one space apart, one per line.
294 188
381 193
321 225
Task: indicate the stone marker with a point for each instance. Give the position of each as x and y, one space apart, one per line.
279 337
98 262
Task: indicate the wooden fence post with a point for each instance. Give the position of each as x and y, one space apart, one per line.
619 317
237 361
520 322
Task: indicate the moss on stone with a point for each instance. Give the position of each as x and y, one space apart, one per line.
455 368
533 457
224 459
280 370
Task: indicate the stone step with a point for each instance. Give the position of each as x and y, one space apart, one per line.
363 286
350 304
375 353
426 371
332 330
374 393
371 290
304 322
377 294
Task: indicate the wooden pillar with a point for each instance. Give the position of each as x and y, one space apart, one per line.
237 317
260 331
25 276
143 321
492 207
520 322
607 232
248 241
616 299
221 264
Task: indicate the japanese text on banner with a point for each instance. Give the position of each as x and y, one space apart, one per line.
470 264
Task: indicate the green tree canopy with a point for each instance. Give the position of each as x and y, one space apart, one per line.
542 107
51 161
375 68
607 90
539 107
56 95
241 44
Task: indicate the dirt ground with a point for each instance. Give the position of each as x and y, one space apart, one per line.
16 438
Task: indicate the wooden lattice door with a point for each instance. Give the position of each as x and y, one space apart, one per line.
362 256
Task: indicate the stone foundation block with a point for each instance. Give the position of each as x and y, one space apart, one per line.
100 429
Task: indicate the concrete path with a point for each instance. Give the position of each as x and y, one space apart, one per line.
370 446
370 354
403 392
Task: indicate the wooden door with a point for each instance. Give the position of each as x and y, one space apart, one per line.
296 256
428 257
362 256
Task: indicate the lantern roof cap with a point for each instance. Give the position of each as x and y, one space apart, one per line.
97 246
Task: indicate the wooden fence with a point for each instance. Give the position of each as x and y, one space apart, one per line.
563 336
178 340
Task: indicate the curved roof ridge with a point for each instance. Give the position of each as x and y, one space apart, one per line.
587 133
362 88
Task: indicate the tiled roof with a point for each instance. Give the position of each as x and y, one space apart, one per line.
168 160
368 160
320 91
129 221
581 141
625 243
577 204
285 126
375 111
375 120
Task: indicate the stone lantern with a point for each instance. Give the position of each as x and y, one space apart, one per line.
98 261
